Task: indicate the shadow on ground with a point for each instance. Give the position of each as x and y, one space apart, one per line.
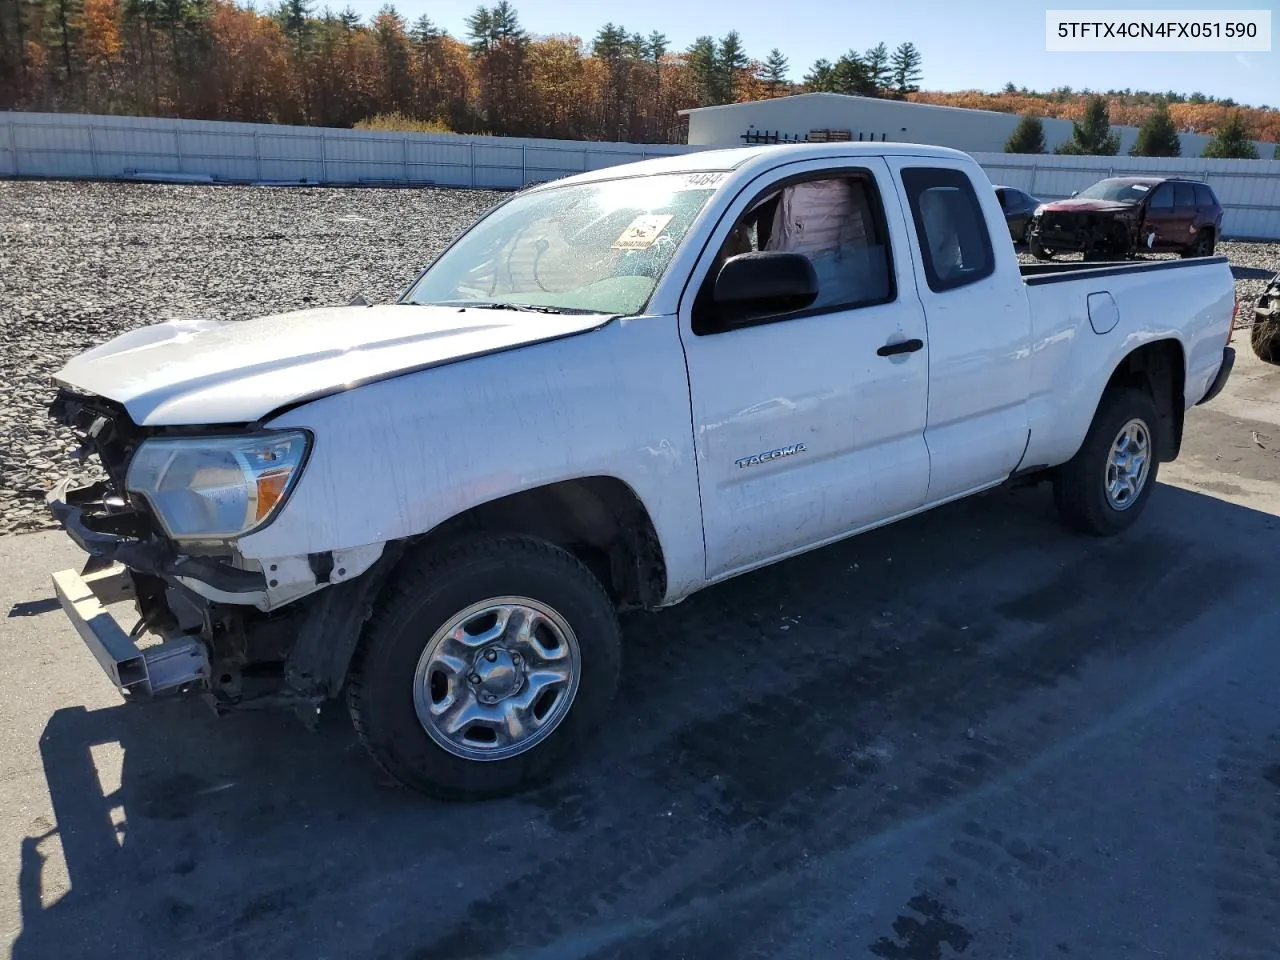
764 727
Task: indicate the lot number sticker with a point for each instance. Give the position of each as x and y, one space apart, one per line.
642 231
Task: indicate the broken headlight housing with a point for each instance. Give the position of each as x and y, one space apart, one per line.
217 488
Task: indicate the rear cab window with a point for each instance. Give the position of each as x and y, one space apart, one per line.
955 245
1204 196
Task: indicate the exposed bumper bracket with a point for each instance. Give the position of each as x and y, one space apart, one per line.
166 667
75 507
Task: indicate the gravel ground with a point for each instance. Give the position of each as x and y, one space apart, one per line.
81 263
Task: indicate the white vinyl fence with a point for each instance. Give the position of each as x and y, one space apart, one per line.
107 147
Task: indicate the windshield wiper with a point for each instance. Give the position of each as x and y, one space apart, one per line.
496 305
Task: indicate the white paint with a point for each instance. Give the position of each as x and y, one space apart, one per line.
190 372
670 414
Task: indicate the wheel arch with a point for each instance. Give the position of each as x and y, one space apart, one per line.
600 519
1158 367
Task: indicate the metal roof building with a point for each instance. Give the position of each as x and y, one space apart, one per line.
838 116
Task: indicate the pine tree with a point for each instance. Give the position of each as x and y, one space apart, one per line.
850 76
1027 137
1157 137
773 72
1232 141
701 58
906 68
1092 135
730 63
819 79
876 61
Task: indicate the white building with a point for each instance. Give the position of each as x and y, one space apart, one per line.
867 118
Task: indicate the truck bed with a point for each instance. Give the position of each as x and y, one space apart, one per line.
1042 273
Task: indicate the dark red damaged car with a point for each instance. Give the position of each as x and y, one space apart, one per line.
1122 216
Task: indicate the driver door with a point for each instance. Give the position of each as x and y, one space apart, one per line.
808 425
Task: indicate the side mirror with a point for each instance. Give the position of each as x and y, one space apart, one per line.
1074 192
765 282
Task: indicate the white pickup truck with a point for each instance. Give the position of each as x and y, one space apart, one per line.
612 391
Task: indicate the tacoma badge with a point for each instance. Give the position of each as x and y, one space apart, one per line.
771 455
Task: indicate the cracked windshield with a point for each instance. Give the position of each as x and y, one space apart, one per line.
594 248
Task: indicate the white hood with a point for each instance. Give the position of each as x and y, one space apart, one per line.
206 371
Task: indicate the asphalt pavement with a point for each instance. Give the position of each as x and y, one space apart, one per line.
970 734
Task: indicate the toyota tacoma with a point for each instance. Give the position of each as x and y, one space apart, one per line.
610 392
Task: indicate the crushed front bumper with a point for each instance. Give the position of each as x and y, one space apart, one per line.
91 518
170 666
119 554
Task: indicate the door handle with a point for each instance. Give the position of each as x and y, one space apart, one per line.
902 346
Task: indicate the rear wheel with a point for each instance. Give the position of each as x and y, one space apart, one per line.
1202 246
1104 488
483 666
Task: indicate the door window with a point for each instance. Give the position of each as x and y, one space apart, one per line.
1162 199
954 242
1184 197
837 222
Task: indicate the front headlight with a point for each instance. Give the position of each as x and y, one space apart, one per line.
1038 210
216 488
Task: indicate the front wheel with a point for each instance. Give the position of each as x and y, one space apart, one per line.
483 666
1038 250
1104 488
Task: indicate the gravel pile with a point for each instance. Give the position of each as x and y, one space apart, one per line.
81 263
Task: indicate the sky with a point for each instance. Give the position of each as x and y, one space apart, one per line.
962 49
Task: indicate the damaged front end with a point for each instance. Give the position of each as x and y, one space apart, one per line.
1096 234
160 529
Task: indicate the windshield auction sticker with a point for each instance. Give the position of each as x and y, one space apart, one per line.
642 231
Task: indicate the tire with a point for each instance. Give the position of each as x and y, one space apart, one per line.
1038 250
1202 246
394 679
1081 484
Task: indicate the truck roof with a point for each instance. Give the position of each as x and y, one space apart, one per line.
743 158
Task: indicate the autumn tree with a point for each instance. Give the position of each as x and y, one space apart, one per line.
395 58
1091 135
500 45
1157 137
1027 137
65 25
1232 141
